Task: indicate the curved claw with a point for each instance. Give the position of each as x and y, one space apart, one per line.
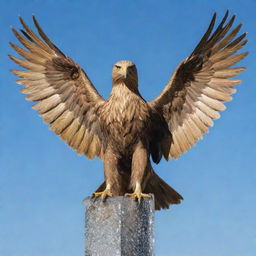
104 194
137 195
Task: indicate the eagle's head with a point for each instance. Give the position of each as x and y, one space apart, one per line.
125 72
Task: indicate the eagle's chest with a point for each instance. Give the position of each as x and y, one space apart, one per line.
126 118
126 112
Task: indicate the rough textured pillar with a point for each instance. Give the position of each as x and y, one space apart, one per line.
119 227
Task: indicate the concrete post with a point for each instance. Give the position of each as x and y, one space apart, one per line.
119 226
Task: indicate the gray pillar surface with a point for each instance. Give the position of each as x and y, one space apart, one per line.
119 226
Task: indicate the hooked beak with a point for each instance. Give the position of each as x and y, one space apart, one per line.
124 72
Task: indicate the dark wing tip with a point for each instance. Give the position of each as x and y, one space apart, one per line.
226 13
245 41
26 35
23 23
232 18
15 32
36 23
21 20
34 19
46 39
239 26
206 35
213 20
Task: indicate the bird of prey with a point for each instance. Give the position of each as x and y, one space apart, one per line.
126 131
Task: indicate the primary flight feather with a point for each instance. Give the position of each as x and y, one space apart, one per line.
125 130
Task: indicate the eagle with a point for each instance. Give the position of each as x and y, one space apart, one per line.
125 131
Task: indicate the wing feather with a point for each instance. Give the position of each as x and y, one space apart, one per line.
27 64
200 85
65 97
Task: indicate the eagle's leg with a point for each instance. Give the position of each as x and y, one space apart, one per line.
113 178
139 172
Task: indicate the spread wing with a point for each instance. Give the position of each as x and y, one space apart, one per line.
201 83
66 98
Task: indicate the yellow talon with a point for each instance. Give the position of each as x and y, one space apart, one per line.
137 194
104 194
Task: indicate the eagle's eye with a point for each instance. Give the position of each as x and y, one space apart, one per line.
131 67
118 67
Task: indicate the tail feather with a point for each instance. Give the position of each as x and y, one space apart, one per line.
163 193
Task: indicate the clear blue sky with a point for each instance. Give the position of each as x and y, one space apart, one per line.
43 182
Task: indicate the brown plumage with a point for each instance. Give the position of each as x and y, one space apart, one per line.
125 130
